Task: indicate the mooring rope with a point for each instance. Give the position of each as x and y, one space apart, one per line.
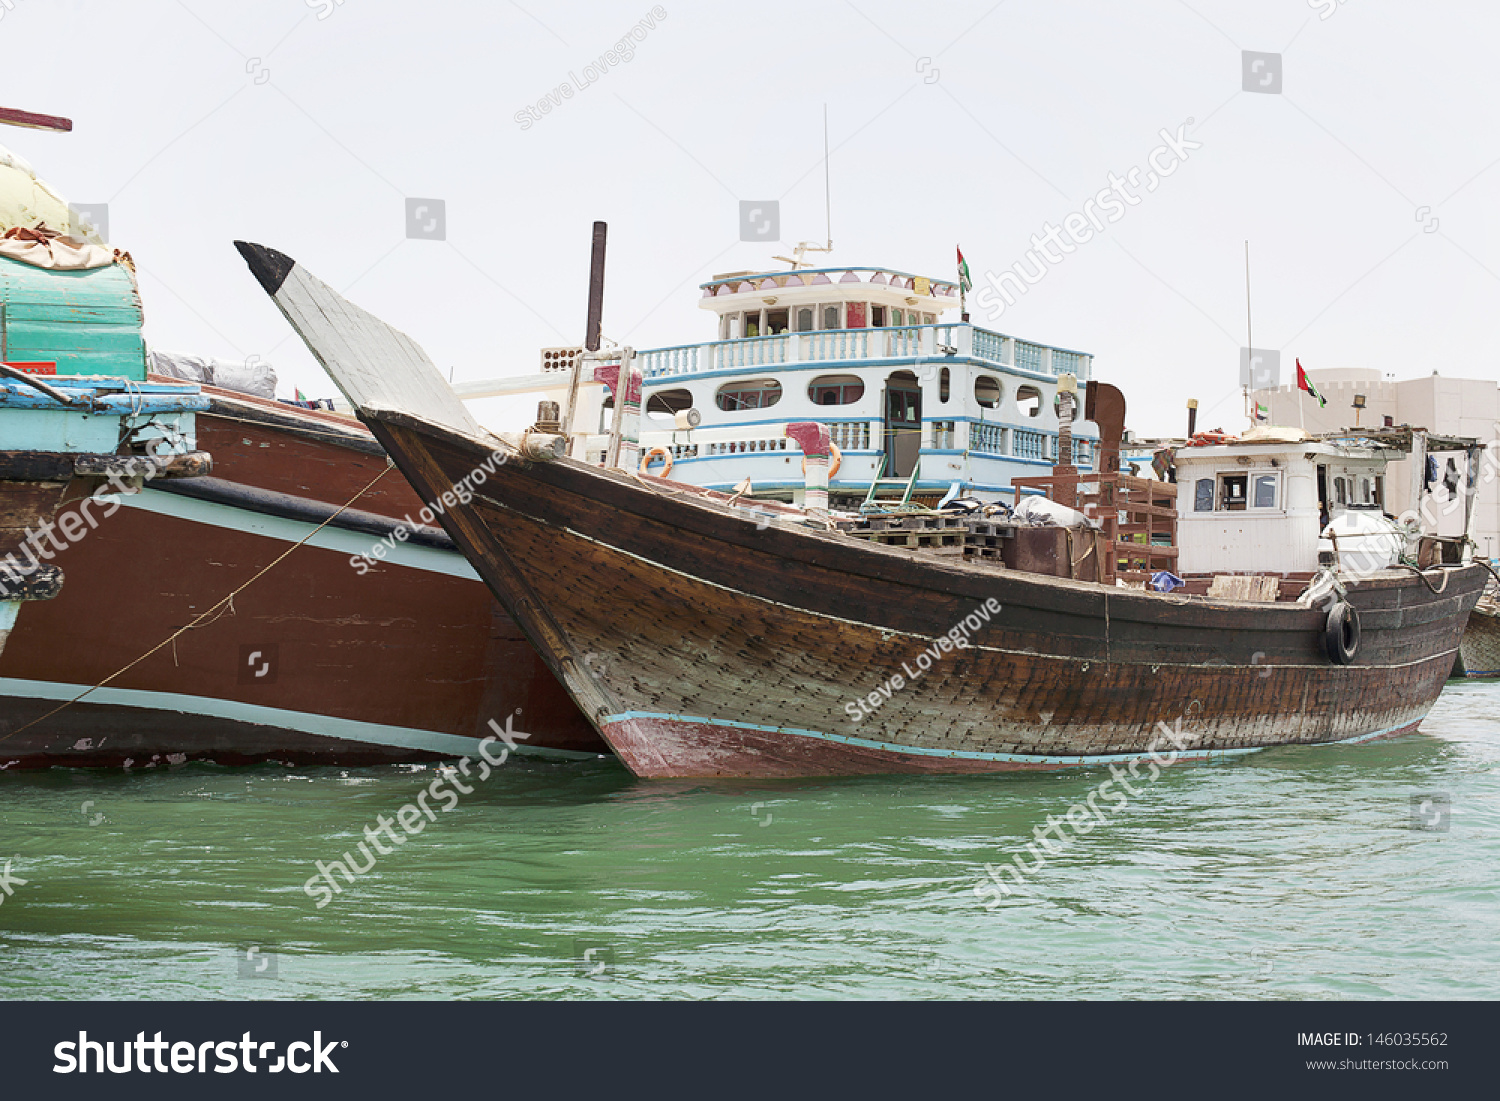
215 610
1435 590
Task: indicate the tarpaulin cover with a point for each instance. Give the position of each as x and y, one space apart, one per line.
42 247
253 377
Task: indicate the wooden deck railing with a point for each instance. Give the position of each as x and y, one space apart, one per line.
1135 512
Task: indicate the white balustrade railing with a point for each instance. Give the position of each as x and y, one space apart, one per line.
843 345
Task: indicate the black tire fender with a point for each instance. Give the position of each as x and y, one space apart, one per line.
1341 633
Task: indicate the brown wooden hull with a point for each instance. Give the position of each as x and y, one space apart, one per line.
1479 653
702 643
397 664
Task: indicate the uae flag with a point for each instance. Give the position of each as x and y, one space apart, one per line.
965 284
1305 383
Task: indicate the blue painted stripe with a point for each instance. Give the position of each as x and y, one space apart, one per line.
761 370
328 726
976 755
20 396
982 455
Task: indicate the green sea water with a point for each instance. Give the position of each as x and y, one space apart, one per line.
1366 871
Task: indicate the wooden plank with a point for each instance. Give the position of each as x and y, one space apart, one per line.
31 121
1261 588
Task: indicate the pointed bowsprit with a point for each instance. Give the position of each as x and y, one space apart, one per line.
378 368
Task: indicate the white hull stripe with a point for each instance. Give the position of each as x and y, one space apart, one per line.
291 531
325 726
976 755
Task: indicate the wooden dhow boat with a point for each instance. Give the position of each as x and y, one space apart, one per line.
1479 652
703 638
296 604
373 642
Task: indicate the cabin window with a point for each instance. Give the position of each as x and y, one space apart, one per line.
666 404
836 389
760 393
1029 401
776 322
752 324
929 319
1366 492
1232 491
987 391
805 319
898 318
606 410
855 315
1379 492
732 327
877 317
1203 495
831 317
1340 493
943 385
1265 491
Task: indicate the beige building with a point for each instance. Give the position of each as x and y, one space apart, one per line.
1451 406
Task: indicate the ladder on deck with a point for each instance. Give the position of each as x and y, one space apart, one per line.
875 502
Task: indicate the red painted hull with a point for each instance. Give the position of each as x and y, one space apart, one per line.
396 664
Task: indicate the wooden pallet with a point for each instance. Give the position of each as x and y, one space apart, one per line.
973 538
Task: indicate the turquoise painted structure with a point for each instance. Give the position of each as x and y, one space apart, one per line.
108 411
86 322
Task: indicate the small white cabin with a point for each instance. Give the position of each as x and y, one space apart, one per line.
1263 505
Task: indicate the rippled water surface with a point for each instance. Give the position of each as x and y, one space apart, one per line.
1344 872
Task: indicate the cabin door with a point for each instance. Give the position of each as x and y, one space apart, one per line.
903 424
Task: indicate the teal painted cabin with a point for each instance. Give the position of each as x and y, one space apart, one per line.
86 322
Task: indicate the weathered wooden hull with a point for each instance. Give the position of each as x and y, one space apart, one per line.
703 643
407 661
1479 652
24 505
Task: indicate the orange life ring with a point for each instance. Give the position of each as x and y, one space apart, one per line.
655 451
833 467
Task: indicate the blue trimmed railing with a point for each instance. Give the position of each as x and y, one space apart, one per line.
845 345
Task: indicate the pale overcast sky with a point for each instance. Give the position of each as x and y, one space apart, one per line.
1367 185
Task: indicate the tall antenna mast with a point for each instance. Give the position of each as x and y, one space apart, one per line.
796 259
1250 338
827 188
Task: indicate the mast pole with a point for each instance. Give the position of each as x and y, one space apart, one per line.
591 332
1249 337
827 188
